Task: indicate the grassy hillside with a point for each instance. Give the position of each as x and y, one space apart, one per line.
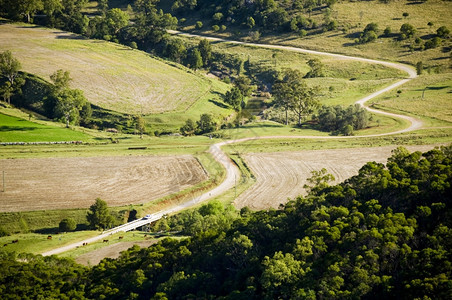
14 129
111 75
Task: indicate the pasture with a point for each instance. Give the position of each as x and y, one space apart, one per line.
15 129
112 76
282 175
353 16
69 183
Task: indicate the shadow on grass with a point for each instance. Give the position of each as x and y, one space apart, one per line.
434 88
219 104
16 128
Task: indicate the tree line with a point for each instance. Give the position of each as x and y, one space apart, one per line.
383 233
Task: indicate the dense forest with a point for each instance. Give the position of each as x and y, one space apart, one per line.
384 233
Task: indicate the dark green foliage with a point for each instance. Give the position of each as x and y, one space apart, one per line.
342 120
407 31
369 34
189 128
419 68
317 68
3 232
98 215
206 124
205 49
234 98
66 225
382 234
443 32
432 43
37 277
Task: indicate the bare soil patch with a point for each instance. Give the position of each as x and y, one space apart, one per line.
111 251
281 175
63 183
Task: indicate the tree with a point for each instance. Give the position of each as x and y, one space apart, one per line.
407 31
302 101
206 124
189 128
205 48
29 7
98 215
387 32
67 225
140 125
175 50
443 32
244 85
195 59
419 67
60 79
69 104
369 34
234 98
116 19
292 93
317 69
9 68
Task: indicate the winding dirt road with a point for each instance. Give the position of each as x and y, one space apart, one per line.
232 172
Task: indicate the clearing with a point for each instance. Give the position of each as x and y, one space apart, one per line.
65 183
281 175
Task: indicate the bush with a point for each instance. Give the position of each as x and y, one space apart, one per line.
369 34
198 25
339 120
215 28
66 225
3 232
433 43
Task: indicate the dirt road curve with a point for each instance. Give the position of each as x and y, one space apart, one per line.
232 171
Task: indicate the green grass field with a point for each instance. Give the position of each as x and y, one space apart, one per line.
352 18
14 129
426 96
112 76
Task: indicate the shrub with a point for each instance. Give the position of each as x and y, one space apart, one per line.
407 31
443 32
3 232
198 25
66 225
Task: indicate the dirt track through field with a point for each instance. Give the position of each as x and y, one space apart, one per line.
61 183
282 175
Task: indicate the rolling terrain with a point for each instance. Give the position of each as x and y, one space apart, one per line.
112 76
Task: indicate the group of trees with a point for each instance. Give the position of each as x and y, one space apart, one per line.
384 233
59 101
407 32
193 57
342 120
291 93
268 15
205 124
236 97
65 103
9 69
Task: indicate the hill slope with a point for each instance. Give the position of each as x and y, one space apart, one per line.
111 75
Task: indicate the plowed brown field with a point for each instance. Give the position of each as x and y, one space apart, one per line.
60 183
281 175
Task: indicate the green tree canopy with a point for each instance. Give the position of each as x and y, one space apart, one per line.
98 215
67 225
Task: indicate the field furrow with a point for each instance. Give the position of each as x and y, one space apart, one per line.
282 175
59 183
